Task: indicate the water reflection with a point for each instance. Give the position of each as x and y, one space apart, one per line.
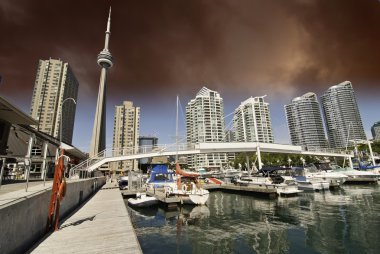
341 221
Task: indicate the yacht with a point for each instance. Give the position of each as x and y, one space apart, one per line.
323 171
357 176
268 178
310 184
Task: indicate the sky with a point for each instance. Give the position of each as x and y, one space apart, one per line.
164 48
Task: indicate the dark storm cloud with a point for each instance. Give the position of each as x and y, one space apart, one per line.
173 46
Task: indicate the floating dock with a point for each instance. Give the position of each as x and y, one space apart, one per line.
263 190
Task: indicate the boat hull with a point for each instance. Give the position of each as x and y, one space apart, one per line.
313 186
143 202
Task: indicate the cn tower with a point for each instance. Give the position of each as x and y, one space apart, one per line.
105 60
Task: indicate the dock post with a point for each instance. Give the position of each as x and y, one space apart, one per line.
259 157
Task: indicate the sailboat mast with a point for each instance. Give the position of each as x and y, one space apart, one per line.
176 133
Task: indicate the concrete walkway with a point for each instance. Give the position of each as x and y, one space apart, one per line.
10 193
102 225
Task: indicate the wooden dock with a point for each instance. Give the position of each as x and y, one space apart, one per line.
267 190
170 202
102 225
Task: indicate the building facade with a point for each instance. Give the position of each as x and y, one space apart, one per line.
252 121
376 131
55 82
304 121
342 116
126 135
147 144
205 123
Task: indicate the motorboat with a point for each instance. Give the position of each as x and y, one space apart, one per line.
357 176
268 178
187 188
231 173
142 200
123 182
310 184
287 186
323 171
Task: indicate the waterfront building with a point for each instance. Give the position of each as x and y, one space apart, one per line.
230 136
147 144
16 133
55 82
304 121
205 123
252 121
342 116
105 60
376 131
126 134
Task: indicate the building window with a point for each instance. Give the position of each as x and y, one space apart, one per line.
36 151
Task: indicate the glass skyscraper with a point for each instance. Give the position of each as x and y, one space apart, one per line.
304 121
342 115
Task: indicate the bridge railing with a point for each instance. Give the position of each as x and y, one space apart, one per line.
325 150
118 152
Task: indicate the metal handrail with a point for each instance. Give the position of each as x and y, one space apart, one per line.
109 152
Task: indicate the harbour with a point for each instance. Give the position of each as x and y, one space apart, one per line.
343 220
270 150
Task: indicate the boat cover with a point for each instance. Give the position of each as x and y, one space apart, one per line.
160 174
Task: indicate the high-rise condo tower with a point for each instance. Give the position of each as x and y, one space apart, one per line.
342 115
304 119
54 83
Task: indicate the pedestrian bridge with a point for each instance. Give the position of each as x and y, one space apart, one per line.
123 154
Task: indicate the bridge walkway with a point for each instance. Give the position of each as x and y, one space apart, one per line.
102 225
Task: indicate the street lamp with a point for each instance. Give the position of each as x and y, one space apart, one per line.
60 122
289 161
303 161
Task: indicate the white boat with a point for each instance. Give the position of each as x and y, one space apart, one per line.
357 176
231 173
325 173
142 200
284 185
288 187
310 184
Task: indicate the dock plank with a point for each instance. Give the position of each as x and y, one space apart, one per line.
102 225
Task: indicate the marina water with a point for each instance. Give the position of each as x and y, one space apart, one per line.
346 220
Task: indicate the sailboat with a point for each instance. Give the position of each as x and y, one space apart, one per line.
188 188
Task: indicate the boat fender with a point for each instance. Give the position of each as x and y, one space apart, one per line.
184 188
167 191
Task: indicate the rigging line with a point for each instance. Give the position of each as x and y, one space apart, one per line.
180 107
229 126
226 128
229 114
